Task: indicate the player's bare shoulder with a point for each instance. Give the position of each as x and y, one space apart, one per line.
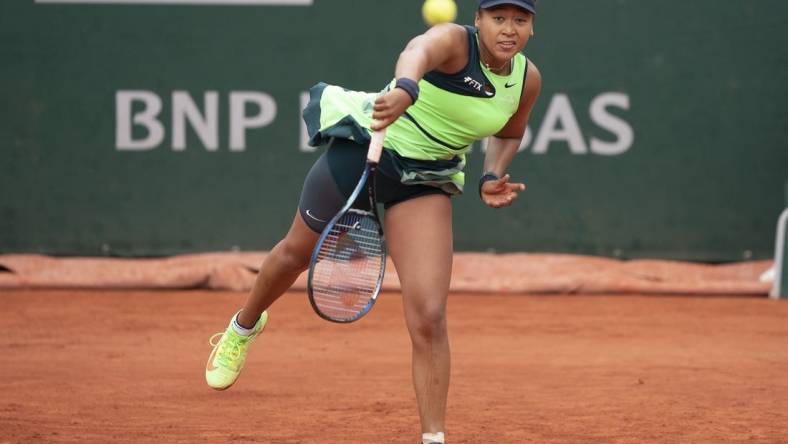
451 28
451 40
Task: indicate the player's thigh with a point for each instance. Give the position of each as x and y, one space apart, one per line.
419 238
321 198
299 242
323 195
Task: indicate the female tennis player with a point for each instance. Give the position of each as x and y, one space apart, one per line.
453 85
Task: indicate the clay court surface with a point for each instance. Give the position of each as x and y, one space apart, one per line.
127 367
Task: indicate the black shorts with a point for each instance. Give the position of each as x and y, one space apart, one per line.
335 175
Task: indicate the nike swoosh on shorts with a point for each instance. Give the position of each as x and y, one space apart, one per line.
308 213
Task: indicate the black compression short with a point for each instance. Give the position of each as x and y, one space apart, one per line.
336 173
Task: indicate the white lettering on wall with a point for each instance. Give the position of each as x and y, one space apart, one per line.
240 121
146 118
140 110
619 127
206 127
560 124
185 112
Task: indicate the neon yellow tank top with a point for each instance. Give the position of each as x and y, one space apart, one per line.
428 143
453 111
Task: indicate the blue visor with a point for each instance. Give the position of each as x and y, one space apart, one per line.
528 5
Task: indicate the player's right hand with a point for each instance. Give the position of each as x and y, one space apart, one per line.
389 107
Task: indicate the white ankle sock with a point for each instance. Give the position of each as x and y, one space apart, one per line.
427 438
241 330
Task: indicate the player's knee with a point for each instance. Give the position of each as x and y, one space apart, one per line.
429 325
292 256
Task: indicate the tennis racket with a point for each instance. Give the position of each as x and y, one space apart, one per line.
348 262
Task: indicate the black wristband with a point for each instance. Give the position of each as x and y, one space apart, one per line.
488 176
410 86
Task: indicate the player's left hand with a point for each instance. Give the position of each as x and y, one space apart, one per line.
389 107
500 193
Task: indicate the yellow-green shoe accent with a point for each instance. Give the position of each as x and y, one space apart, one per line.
229 354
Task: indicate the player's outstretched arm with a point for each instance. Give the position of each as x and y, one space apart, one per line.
443 48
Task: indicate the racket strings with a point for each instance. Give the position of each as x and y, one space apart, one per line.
346 275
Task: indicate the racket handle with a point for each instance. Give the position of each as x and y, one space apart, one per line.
376 146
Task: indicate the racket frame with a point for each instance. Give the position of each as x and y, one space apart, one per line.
367 179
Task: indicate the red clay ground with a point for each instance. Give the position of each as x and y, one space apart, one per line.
127 367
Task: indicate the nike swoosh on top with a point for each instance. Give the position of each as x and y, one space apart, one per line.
509 86
313 217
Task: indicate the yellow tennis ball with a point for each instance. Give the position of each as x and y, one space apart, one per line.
439 11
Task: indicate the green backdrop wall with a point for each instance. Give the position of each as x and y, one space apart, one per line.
660 132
